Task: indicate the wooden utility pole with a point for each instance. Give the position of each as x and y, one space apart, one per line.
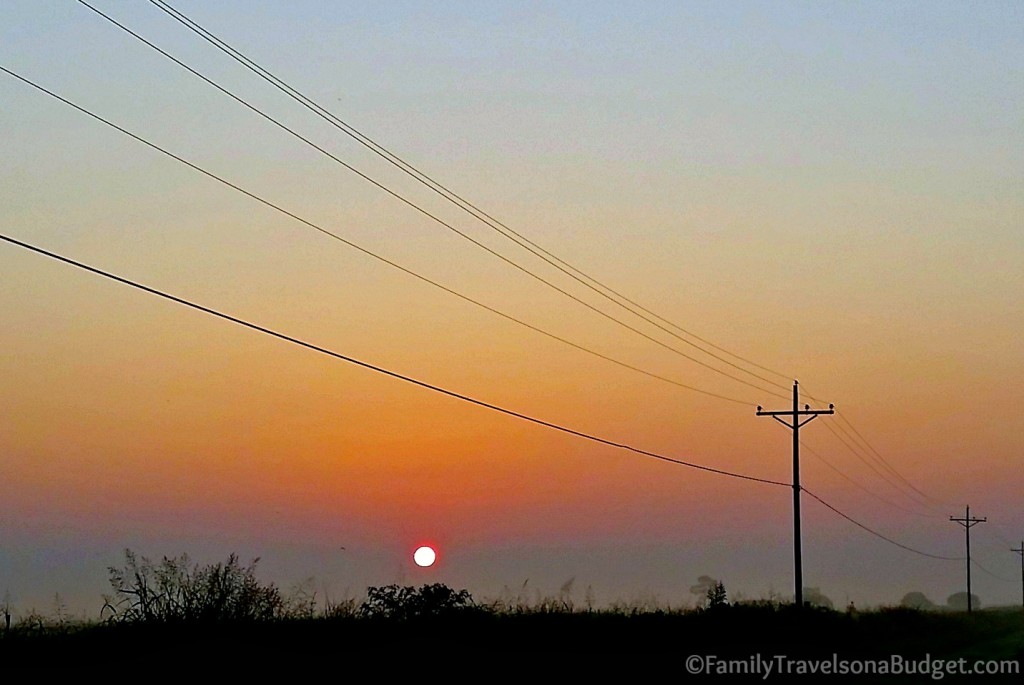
794 424
968 522
1020 551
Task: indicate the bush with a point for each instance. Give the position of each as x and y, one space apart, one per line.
176 590
405 602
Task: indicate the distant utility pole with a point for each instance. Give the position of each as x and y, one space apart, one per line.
794 424
968 522
1020 551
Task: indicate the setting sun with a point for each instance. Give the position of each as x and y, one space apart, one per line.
424 556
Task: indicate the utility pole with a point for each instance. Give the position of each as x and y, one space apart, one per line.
968 522
1020 551
794 425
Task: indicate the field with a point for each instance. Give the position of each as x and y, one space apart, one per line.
455 632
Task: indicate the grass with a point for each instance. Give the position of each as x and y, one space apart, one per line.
521 630
175 611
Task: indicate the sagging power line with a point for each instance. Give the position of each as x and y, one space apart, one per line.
562 428
379 369
439 188
356 246
877 534
861 486
859 446
435 388
445 224
857 436
876 470
589 281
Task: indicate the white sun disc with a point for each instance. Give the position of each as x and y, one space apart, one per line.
424 556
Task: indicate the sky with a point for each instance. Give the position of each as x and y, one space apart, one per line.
832 191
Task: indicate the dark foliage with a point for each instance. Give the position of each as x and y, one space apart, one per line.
176 590
717 596
405 602
426 622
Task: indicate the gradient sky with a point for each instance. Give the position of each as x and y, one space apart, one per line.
833 190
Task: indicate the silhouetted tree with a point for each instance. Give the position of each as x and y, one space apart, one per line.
958 601
814 597
917 600
703 588
717 596
704 583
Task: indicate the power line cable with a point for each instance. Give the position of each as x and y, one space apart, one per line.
440 189
510 233
864 487
888 479
896 481
999 532
994 575
384 371
884 461
995 529
381 370
990 546
434 217
364 250
876 533
438 389
861 442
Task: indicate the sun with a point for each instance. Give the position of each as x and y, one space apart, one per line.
424 556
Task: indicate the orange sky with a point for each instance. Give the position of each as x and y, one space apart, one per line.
857 228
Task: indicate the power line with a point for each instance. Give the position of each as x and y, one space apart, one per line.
861 442
361 249
515 236
862 486
434 217
1002 538
974 560
993 529
438 389
382 370
876 533
884 461
880 474
438 188
855 445
385 371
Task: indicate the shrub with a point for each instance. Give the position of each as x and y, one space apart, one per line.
405 602
176 590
